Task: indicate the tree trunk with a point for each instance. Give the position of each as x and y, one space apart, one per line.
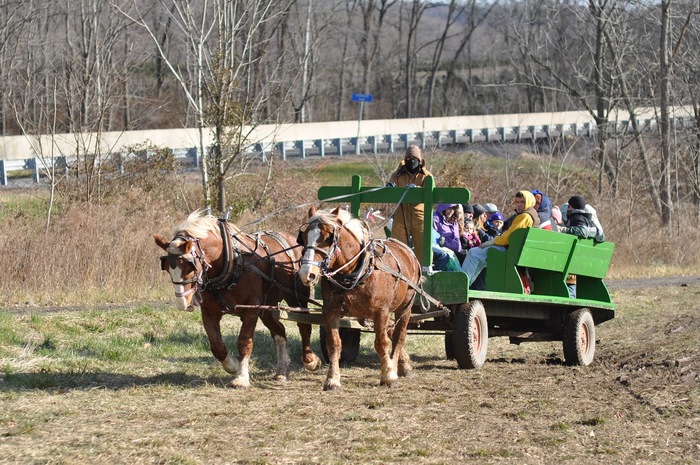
664 73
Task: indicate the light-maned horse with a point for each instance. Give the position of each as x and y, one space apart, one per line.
364 277
214 265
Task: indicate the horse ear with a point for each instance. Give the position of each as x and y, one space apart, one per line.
312 210
160 241
188 246
335 211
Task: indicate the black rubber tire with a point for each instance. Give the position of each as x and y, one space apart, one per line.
470 335
579 338
349 337
449 346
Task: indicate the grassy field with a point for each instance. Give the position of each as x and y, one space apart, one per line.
97 367
138 385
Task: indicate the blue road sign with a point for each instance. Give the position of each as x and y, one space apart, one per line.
362 97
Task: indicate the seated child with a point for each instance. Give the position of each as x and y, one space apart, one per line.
494 225
469 238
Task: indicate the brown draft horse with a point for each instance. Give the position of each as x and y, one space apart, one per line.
214 265
367 278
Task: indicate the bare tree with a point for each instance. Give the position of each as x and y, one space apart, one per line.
476 17
234 75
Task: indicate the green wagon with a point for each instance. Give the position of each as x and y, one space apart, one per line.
468 318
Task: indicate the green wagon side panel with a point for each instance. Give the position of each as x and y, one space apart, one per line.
449 287
546 253
591 259
590 262
549 258
546 250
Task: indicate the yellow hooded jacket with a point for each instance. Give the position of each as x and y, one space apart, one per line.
525 219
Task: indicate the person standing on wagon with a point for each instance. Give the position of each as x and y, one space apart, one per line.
407 224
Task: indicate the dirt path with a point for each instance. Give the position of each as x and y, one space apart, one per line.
613 284
640 283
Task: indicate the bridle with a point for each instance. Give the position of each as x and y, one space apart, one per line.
327 254
363 260
194 257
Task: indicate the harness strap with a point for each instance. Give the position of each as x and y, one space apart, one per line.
418 289
259 243
228 273
348 281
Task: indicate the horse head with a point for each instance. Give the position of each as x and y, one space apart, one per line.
320 236
186 265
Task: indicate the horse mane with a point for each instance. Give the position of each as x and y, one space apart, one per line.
199 225
355 226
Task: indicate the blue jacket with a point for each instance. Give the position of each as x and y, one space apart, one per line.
545 209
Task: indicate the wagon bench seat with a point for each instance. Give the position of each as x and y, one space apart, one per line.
550 257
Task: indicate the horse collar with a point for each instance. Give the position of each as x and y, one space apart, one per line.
233 262
363 268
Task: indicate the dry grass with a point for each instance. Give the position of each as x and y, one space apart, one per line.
103 252
139 386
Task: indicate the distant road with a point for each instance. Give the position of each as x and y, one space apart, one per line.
661 281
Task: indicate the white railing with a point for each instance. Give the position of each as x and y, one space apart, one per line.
32 153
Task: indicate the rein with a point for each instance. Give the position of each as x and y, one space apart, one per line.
303 205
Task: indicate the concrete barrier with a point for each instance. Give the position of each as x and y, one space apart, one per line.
326 138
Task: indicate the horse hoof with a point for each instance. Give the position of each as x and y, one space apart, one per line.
238 384
331 387
313 365
281 378
389 380
391 384
406 372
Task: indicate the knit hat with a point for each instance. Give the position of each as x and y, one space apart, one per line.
491 208
467 208
556 214
478 210
577 202
496 217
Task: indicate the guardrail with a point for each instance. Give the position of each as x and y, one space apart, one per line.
24 153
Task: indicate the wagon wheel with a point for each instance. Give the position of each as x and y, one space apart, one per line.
350 339
470 335
579 338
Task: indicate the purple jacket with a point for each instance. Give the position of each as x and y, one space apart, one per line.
449 231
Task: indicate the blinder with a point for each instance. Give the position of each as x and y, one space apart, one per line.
170 261
326 254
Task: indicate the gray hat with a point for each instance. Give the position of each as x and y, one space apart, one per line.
491 208
478 210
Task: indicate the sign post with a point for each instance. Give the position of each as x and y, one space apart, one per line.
362 98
